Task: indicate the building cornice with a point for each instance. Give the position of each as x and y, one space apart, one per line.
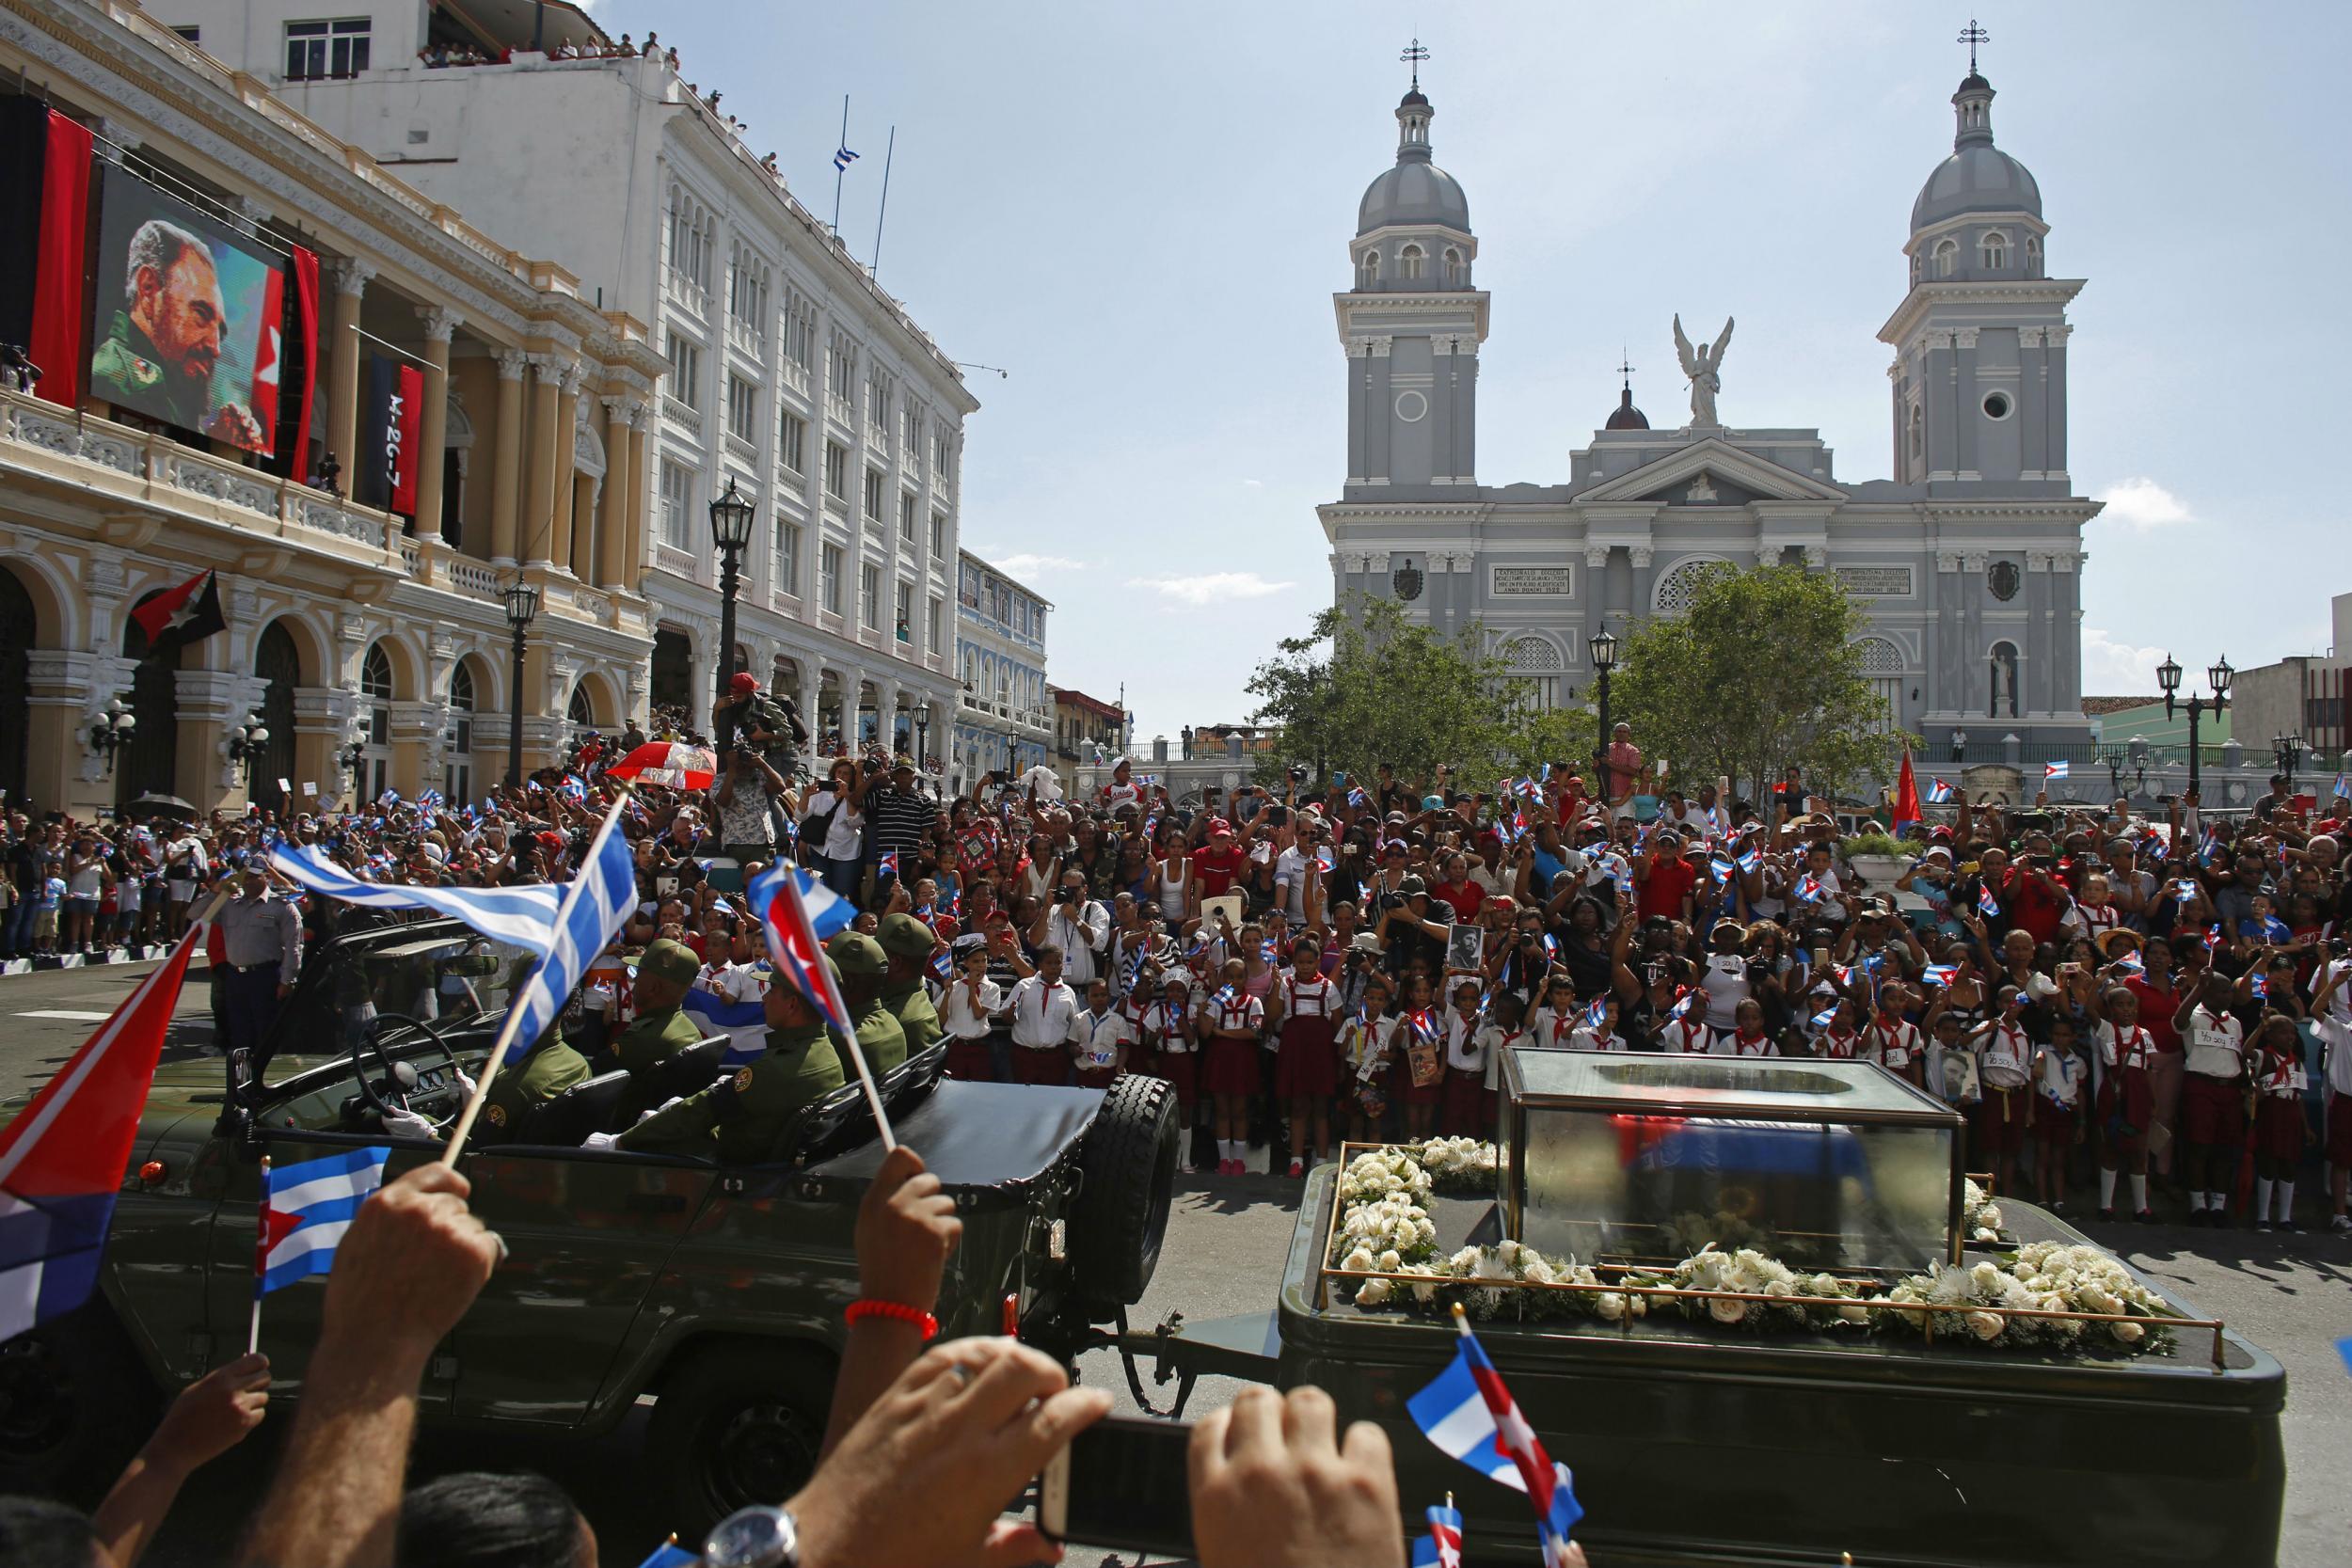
2055 292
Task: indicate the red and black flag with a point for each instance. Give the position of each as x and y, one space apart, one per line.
387 436
178 616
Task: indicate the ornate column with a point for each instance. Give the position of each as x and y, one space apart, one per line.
633 504
343 367
887 715
1644 583
2055 363
433 425
538 519
612 525
566 458
506 467
1964 411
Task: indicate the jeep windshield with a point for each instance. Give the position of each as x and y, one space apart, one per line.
437 971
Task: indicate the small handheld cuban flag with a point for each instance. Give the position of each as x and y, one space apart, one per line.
1820 1021
1224 998
2053 771
1752 858
887 865
1468 1413
2344 786
1940 974
943 966
1597 1016
1721 867
1442 1546
575 786
1358 798
1939 793
2213 936
305 1207
1808 888
2257 984
1985 901
1323 857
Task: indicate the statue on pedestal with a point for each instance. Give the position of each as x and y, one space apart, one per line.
1702 364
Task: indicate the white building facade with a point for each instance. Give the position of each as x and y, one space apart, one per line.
1969 558
1005 717
791 375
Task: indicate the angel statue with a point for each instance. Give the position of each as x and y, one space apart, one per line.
1704 366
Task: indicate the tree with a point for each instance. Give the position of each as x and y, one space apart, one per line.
1368 686
1762 675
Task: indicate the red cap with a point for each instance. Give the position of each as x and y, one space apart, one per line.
743 681
1218 825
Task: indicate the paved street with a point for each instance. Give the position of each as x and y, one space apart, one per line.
1225 1245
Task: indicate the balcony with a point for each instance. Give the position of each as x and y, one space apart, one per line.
746 335
677 413
793 374
744 448
687 293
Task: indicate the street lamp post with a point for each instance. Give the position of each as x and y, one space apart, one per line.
731 529
923 739
112 731
2288 749
1603 647
522 605
246 743
2169 677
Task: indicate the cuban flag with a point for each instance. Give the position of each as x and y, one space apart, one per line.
1721 867
1358 798
1940 974
887 865
800 914
1468 1413
1752 858
1442 1546
1597 1016
1939 793
520 915
1985 901
843 157
2344 786
575 786
596 902
744 1023
305 1207
2053 771
62 1159
1820 1021
1808 888
2257 984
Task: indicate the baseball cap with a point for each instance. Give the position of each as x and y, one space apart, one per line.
743 681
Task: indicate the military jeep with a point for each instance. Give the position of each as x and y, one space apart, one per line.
716 1290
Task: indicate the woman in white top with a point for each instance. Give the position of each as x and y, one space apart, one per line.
845 832
1173 872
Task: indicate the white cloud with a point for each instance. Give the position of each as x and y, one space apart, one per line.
2118 669
1035 566
1213 585
2142 504
1254 483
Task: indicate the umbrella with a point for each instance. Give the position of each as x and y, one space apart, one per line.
667 762
163 805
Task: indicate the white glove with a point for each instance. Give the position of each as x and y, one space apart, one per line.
464 1083
601 1141
407 1124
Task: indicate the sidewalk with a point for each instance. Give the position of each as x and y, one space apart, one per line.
119 953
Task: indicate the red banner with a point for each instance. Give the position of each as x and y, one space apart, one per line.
58 309
408 405
305 277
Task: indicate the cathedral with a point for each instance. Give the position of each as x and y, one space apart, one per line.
1968 559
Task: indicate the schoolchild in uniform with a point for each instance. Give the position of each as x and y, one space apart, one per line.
2059 1072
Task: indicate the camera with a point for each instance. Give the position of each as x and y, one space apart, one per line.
1298 775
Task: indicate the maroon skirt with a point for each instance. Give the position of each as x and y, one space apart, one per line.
1470 1105
2279 1127
1096 1077
1232 1068
1307 1066
1182 1069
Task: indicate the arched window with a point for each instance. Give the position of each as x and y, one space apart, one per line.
1678 587
1918 432
1457 270
1368 269
1409 262
1947 258
375 718
1883 667
2033 255
1535 666
579 715
278 665
457 741
1992 250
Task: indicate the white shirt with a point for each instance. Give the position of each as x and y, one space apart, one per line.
1837 1046
2119 1051
1291 871
1553 1030
2059 1076
1080 940
966 1013
1465 1043
1688 1036
1099 1038
2340 1005
1894 1045
2001 1053
1725 982
1164 1023
1584 1039
845 835
2338 1037
1317 998
2214 1044
1365 1042
1045 1017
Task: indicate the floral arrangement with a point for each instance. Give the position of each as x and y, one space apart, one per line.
1384 1229
1980 1217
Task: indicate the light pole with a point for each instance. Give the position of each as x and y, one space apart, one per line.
112 731
2169 677
2288 749
522 605
731 529
246 742
1603 647
923 739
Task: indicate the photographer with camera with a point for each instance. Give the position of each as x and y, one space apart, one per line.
746 797
1077 924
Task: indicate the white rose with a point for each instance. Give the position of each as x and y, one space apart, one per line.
1376 1292
1726 1311
1854 1314
1984 1235
2130 1332
1609 1304
2096 1300
1986 1278
1358 1261
1389 1261
1990 1217
1640 1306
1985 1325
1824 1285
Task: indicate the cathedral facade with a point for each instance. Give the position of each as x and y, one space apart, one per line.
1968 561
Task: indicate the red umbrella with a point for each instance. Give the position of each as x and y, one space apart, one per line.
668 762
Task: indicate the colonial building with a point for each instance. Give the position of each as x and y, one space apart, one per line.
1004 719
369 641
1085 728
792 375
1969 556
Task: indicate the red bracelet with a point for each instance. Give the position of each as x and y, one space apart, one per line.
868 1307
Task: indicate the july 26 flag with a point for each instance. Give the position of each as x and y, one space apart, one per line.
1467 1412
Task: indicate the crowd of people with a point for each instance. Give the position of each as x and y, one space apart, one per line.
2155 1010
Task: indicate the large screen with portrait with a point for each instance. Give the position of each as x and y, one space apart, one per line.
185 317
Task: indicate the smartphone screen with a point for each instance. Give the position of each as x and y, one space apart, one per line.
1121 1483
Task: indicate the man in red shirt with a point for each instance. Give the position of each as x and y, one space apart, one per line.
1664 877
1621 771
1217 868
2035 900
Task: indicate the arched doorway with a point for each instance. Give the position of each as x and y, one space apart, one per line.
672 673
150 763
278 666
580 716
17 634
376 718
457 741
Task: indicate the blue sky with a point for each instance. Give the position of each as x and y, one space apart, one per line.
1141 213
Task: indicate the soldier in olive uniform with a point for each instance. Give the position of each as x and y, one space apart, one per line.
865 969
908 942
741 1119
664 975
522 1089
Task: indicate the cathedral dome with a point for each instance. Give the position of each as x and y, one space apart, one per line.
1978 176
1625 416
1416 191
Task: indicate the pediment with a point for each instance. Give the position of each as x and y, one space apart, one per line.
1736 477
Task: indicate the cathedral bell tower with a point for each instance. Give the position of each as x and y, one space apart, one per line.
1411 325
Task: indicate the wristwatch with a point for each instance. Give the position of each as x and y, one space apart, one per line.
754 1537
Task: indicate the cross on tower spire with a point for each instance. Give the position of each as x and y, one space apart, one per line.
1625 368
1973 35
1414 54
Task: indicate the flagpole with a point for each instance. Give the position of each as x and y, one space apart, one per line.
888 152
260 1224
514 1011
840 168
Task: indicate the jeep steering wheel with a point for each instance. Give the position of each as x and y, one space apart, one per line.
371 1042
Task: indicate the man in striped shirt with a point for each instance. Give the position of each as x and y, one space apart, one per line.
898 815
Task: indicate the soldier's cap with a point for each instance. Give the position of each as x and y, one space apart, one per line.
855 953
670 960
905 936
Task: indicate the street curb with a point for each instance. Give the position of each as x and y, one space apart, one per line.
50 963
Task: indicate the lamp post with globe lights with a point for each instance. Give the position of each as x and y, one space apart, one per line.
245 744
1602 645
2168 678
731 531
112 731
522 607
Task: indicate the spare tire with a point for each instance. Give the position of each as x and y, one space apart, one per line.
1127 1166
